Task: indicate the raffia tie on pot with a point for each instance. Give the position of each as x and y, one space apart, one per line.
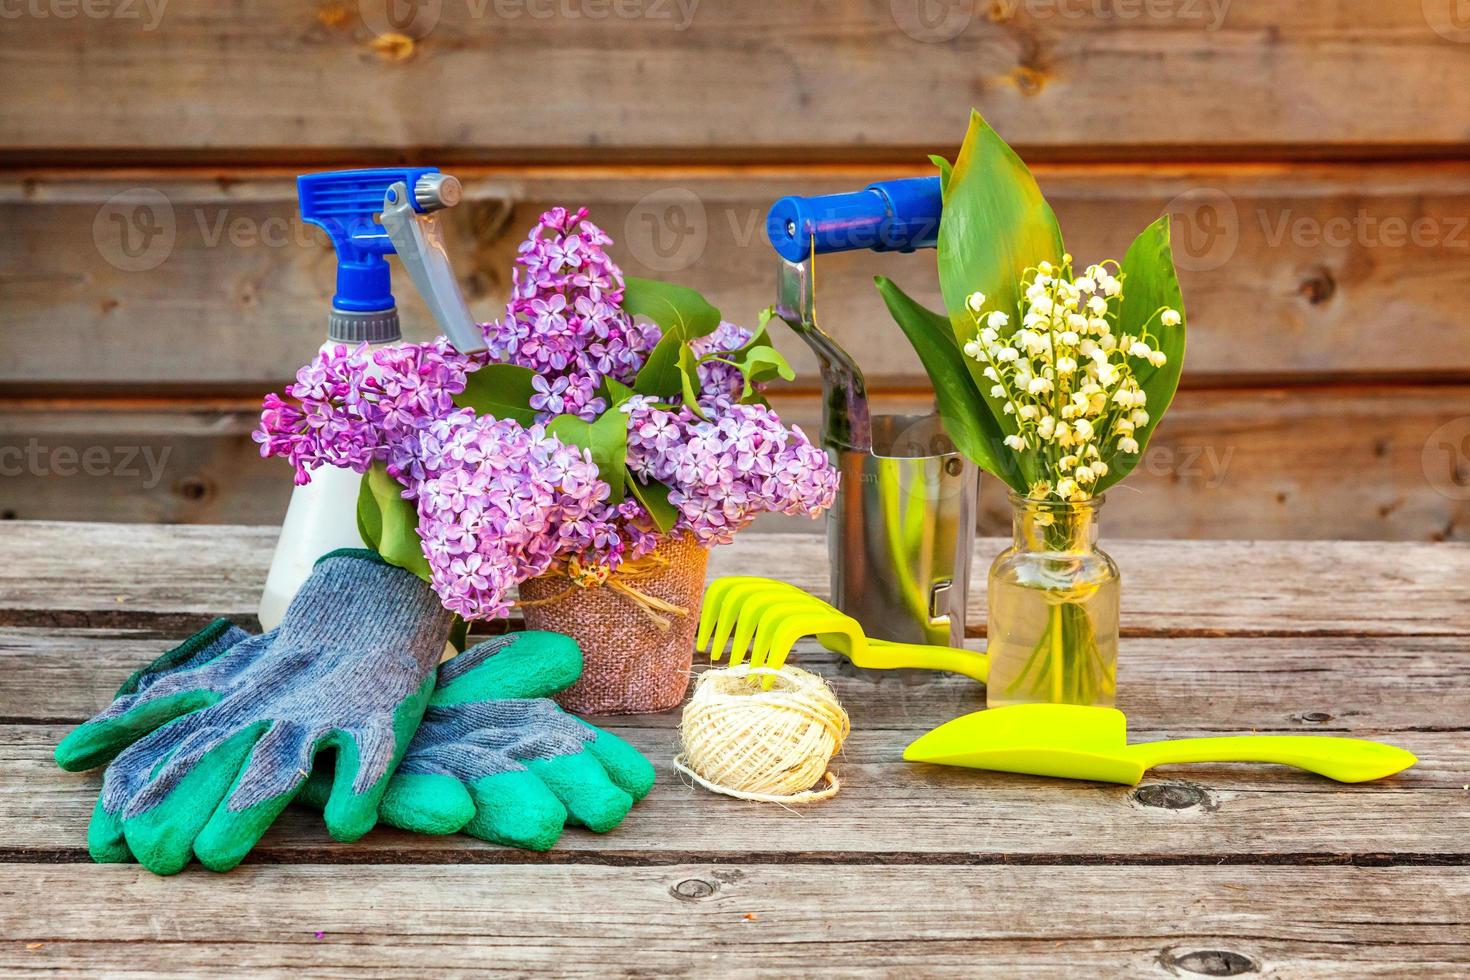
635 626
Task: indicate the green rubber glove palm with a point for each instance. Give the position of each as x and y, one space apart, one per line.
209 744
497 759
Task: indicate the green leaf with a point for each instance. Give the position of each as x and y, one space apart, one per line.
1149 282
615 392
995 225
967 416
501 390
659 375
689 381
945 170
676 309
761 364
607 440
654 496
388 523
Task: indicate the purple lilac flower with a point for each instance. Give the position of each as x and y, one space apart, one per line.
564 320
721 384
501 503
351 407
726 471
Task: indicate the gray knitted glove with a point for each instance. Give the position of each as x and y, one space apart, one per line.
212 741
495 759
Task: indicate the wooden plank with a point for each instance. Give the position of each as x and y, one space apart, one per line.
175 577
1298 684
889 811
1290 274
739 920
1257 463
737 81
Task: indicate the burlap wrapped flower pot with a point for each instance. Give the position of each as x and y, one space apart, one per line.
636 629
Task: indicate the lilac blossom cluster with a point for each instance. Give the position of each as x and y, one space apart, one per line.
725 471
351 407
564 319
720 383
499 502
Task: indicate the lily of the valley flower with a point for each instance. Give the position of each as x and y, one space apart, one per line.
1067 373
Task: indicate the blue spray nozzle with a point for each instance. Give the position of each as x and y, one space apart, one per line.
346 204
889 216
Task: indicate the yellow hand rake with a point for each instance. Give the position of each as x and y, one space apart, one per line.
765 618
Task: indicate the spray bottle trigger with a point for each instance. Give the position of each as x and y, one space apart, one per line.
419 241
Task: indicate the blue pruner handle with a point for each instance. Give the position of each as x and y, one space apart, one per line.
889 216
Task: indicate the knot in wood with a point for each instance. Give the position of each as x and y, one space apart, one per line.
1211 962
693 889
1170 796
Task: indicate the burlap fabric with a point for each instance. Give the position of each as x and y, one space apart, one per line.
629 665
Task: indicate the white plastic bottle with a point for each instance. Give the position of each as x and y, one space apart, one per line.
368 214
321 517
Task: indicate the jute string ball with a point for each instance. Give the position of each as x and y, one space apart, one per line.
771 746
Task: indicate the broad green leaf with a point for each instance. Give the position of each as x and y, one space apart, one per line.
967 417
760 364
945 170
1149 282
388 523
756 364
995 226
615 392
606 438
676 309
654 496
689 381
501 390
659 375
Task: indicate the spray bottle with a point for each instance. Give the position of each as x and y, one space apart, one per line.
368 214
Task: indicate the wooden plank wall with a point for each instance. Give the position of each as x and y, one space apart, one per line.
154 280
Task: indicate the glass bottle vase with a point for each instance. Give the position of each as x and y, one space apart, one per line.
1053 594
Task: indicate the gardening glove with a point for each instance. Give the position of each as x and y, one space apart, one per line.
496 759
211 741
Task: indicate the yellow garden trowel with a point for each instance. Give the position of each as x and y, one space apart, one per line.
1078 742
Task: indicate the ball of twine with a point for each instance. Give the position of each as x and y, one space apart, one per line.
771 746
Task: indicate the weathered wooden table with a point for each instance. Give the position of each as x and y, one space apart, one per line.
1212 870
